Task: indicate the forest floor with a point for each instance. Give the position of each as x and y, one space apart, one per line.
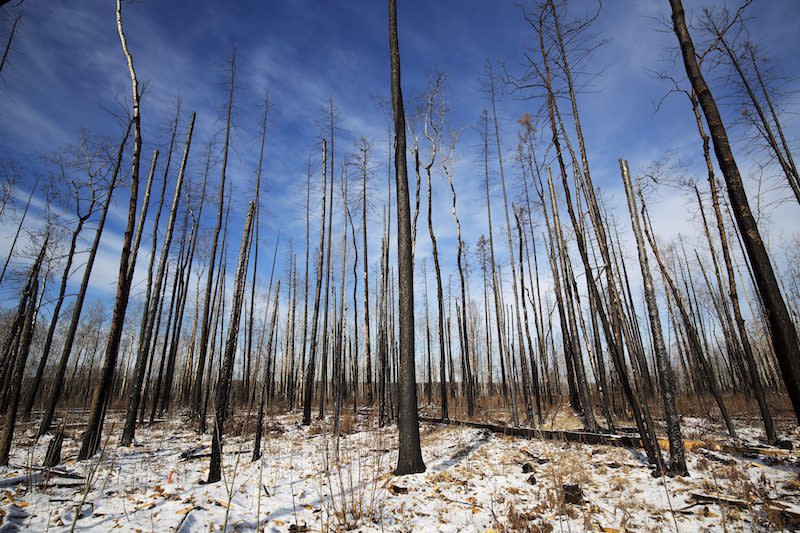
475 481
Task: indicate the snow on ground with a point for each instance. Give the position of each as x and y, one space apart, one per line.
475 481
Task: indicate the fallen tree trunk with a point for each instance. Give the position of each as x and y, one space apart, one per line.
584 437
769 454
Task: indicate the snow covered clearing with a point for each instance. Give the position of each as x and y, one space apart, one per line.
475 481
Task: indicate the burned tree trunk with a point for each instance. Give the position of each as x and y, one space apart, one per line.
27 313
150 314
782 329
693 337
666 379
83 216
10 40
308 391
409 457
367 341
16 234
465 356
433 139
205 319
226 368
249 338
56 387
265 377
495 288
326 307
100 396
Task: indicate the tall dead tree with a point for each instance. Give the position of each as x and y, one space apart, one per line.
514 281
147 315
150 315
265 377
481 249
20 225
26 312
205 318
308 391
665 375
255 243
218 321
495 287
409 457
172 329
127 263
364 160
352 347
104 389
733 293
229 351
302 366
467 377
56 385
610 320
783 333
82 215
323 386
695 339
432 135
339 347
535 388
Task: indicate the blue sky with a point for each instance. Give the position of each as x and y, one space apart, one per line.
67 73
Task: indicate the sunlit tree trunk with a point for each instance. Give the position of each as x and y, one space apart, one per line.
665 376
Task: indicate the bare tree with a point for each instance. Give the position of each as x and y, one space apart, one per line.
255 243
26 312
308 392
16 233
205 319
150 314
467 378
56 387
364 151
665 376
82 213
264 379
10 40
409 457
782 329
226 367
100 396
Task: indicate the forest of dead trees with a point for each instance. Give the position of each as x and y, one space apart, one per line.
560 302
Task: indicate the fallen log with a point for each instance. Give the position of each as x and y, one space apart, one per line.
34 475
52 472
612 439
583 437
189 455
717 457
789 515
720 499
26 479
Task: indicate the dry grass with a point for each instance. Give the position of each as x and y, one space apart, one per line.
528 522
354 478
347 424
